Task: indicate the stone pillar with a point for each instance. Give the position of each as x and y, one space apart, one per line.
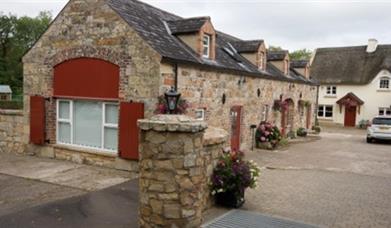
173 180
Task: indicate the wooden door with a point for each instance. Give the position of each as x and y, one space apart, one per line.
350 116
235 115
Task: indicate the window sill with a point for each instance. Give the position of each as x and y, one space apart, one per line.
330 96
325 118
86 150
384 90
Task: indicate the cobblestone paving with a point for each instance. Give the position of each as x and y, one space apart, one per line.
338 181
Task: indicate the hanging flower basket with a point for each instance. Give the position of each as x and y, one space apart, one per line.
280 106
162 107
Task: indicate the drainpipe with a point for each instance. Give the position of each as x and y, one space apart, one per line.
176 77
316 107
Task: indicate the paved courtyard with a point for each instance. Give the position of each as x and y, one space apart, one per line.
338 181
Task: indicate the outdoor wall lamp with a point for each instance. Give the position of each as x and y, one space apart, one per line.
172 99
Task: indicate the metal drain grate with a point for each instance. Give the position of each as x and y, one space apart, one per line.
246 219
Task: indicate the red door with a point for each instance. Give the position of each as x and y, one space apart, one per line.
350 116
236 114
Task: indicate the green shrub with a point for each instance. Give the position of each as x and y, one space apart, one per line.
14 105
301 132
317 129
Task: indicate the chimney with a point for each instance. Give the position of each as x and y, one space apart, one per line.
372 45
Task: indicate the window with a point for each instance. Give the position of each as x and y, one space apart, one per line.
200 114
331 90
3 97
265 113
325 111
206 46
286 67
261 60
91 124
384 111
384 83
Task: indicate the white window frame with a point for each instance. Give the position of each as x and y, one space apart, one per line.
331 90
202 111
384 109
207 46
71 120
324 111
387 79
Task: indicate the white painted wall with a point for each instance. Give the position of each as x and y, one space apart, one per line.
372 96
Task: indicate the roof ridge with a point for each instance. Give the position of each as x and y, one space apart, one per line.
193 18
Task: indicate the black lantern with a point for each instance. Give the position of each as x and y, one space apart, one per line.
172 99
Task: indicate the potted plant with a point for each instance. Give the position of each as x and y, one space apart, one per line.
231 177
267 135
301 132
162 107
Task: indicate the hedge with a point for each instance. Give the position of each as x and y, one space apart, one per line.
13 105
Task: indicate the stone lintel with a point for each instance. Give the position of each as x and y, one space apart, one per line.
172 123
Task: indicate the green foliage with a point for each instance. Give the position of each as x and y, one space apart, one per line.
233 173
316 128
17 36
301 132
13 105
275 48
302 54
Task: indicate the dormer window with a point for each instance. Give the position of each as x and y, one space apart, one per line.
384 83
206 46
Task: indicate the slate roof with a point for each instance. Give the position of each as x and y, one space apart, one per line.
5 89
151 24
188 25
349 65
246 46
298 63
276 55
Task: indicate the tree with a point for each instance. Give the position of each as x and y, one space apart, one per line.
302 54
17 35
275 48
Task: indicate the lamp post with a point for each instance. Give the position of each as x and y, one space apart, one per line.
172 99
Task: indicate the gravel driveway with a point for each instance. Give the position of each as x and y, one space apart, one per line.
337 181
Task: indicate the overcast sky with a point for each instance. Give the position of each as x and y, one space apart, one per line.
290 24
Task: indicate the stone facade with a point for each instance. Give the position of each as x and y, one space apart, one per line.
12 129
176 161
204 89
98 32
93 32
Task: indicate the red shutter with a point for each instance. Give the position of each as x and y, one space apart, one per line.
128 130
37 120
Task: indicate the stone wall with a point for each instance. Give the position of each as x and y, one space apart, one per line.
204 89
176 161
89 28
12 132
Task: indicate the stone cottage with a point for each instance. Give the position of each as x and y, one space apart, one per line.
102 64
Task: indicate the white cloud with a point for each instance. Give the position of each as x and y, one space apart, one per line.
287 23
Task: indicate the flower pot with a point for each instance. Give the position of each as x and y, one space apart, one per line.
231 199
264 145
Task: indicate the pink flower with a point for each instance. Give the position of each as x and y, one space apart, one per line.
263 139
